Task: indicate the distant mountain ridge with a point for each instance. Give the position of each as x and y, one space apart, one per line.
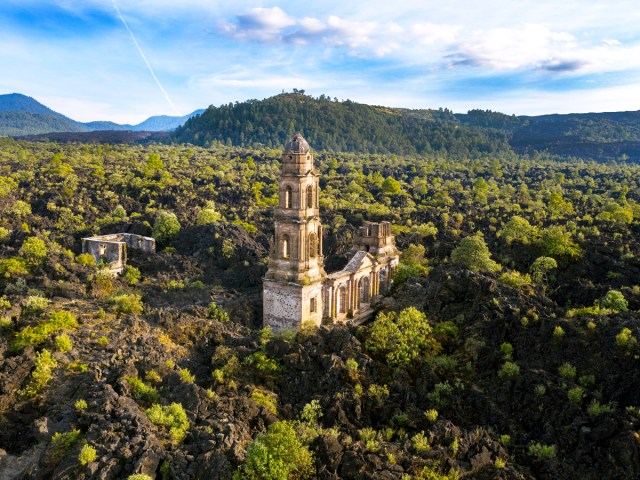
23 115
349 126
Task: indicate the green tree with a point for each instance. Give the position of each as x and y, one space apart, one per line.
518 229
557 242
473 253
34 250
277 455
402 338
390 186
166 227
540 268
614 300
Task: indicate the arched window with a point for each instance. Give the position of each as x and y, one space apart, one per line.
313 245
342 299
365 291
309 196
288 194
286 246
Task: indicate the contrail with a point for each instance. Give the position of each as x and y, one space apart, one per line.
124 22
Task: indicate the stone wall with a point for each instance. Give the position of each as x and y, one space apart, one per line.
112 249
287 305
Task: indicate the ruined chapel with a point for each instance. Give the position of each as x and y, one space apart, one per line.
296 288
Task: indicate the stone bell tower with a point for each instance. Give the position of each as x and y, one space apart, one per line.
292 287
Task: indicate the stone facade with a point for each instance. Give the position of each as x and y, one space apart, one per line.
112 249
296 288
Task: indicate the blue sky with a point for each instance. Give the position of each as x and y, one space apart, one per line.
172 57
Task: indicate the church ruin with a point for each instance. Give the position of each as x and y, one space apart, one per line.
296 288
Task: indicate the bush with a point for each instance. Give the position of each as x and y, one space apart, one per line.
142 391
186 375
473 253
432 415
62 443
34 305
420 442
166 227
509 370
217 313
34 250
41 375
173 418
542 452
126 304
402 338
515 279
87 455
86 260
131 275
139 476
13 267
63 343
575 395
596 409
567 371
626 340
37 335
277 455
80 405
614 300
266 400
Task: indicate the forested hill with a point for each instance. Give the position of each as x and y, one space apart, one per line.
339 126
349 126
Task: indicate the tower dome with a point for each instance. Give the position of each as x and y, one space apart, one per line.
297 145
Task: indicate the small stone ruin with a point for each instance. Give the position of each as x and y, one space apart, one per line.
112 249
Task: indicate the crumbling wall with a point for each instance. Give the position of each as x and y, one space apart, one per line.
112 249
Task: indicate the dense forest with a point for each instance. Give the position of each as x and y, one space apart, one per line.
507 348
347 126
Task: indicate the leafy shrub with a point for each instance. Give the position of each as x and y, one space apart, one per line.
542 452
127 303
566 370
509 370
13 267
35 305
441 392
62 443
420 442
473 253
558 333
37 335
34 250
625 339
87 455
261 362
77 366
507 350
41 374
351 366
80 405
63 343
173 418
186 376
596 409
515 279
142 391
575 395
217 313
86 260
432 415
166 227
132 275
614 300
277 455
139 476
402 338
266 400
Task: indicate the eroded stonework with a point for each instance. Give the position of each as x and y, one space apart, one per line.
112 249
296 288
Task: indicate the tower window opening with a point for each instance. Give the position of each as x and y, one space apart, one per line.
313 245
287 196
342 300
286 247
102 249
313 305
309 196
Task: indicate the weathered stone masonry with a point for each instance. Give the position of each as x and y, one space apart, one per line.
112 249
296 287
